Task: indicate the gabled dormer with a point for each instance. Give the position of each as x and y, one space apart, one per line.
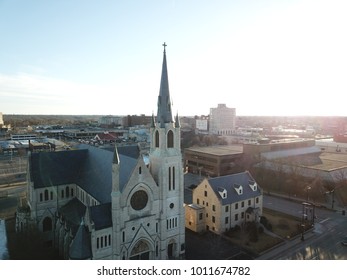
238 189
223 193
253 185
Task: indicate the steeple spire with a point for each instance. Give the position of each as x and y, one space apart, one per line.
164 114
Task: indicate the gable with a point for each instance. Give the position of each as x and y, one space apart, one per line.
204 189
139 174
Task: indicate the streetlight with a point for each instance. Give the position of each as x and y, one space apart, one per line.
332 192
305 206
303 222
307 189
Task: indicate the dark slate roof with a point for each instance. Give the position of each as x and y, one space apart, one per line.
88 166
132 151
101 216
95 176
230 182
55 168
127 166
73 213
81 245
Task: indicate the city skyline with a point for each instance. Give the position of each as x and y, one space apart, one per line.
266 58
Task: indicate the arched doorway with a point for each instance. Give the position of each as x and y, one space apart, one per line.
141 251
171 249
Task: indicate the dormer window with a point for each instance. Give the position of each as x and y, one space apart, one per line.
238 189
223 193
253 185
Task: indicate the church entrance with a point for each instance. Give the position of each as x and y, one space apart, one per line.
140 251
171 248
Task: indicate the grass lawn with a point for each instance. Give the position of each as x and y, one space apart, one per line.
283 224
264 242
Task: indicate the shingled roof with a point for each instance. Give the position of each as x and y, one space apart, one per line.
227 188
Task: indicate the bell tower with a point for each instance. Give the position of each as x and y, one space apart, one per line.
166 169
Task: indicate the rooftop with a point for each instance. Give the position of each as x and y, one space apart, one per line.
330 162
218 150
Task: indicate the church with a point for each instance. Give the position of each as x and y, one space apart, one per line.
91 203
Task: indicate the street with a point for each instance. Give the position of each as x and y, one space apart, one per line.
321 243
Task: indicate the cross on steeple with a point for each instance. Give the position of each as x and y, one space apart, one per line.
164 45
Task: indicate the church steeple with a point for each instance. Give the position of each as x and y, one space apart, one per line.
164 114
165 166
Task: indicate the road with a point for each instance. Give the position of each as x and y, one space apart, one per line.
10 199
323 242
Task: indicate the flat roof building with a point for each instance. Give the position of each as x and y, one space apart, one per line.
213 161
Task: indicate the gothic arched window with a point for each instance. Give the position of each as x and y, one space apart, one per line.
157 139
170 139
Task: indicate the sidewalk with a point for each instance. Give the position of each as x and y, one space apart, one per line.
338 207
272 253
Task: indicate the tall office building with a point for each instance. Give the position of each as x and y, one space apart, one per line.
222 120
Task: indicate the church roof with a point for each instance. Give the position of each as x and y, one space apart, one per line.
80 248
132 151
55 168
73 212
89 167
101 216
95 176
164 114
234 188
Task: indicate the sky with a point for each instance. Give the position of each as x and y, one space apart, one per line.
261 57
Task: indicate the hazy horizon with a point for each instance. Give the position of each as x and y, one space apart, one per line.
148 115
264 58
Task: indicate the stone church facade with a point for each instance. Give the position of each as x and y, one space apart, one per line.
91 203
